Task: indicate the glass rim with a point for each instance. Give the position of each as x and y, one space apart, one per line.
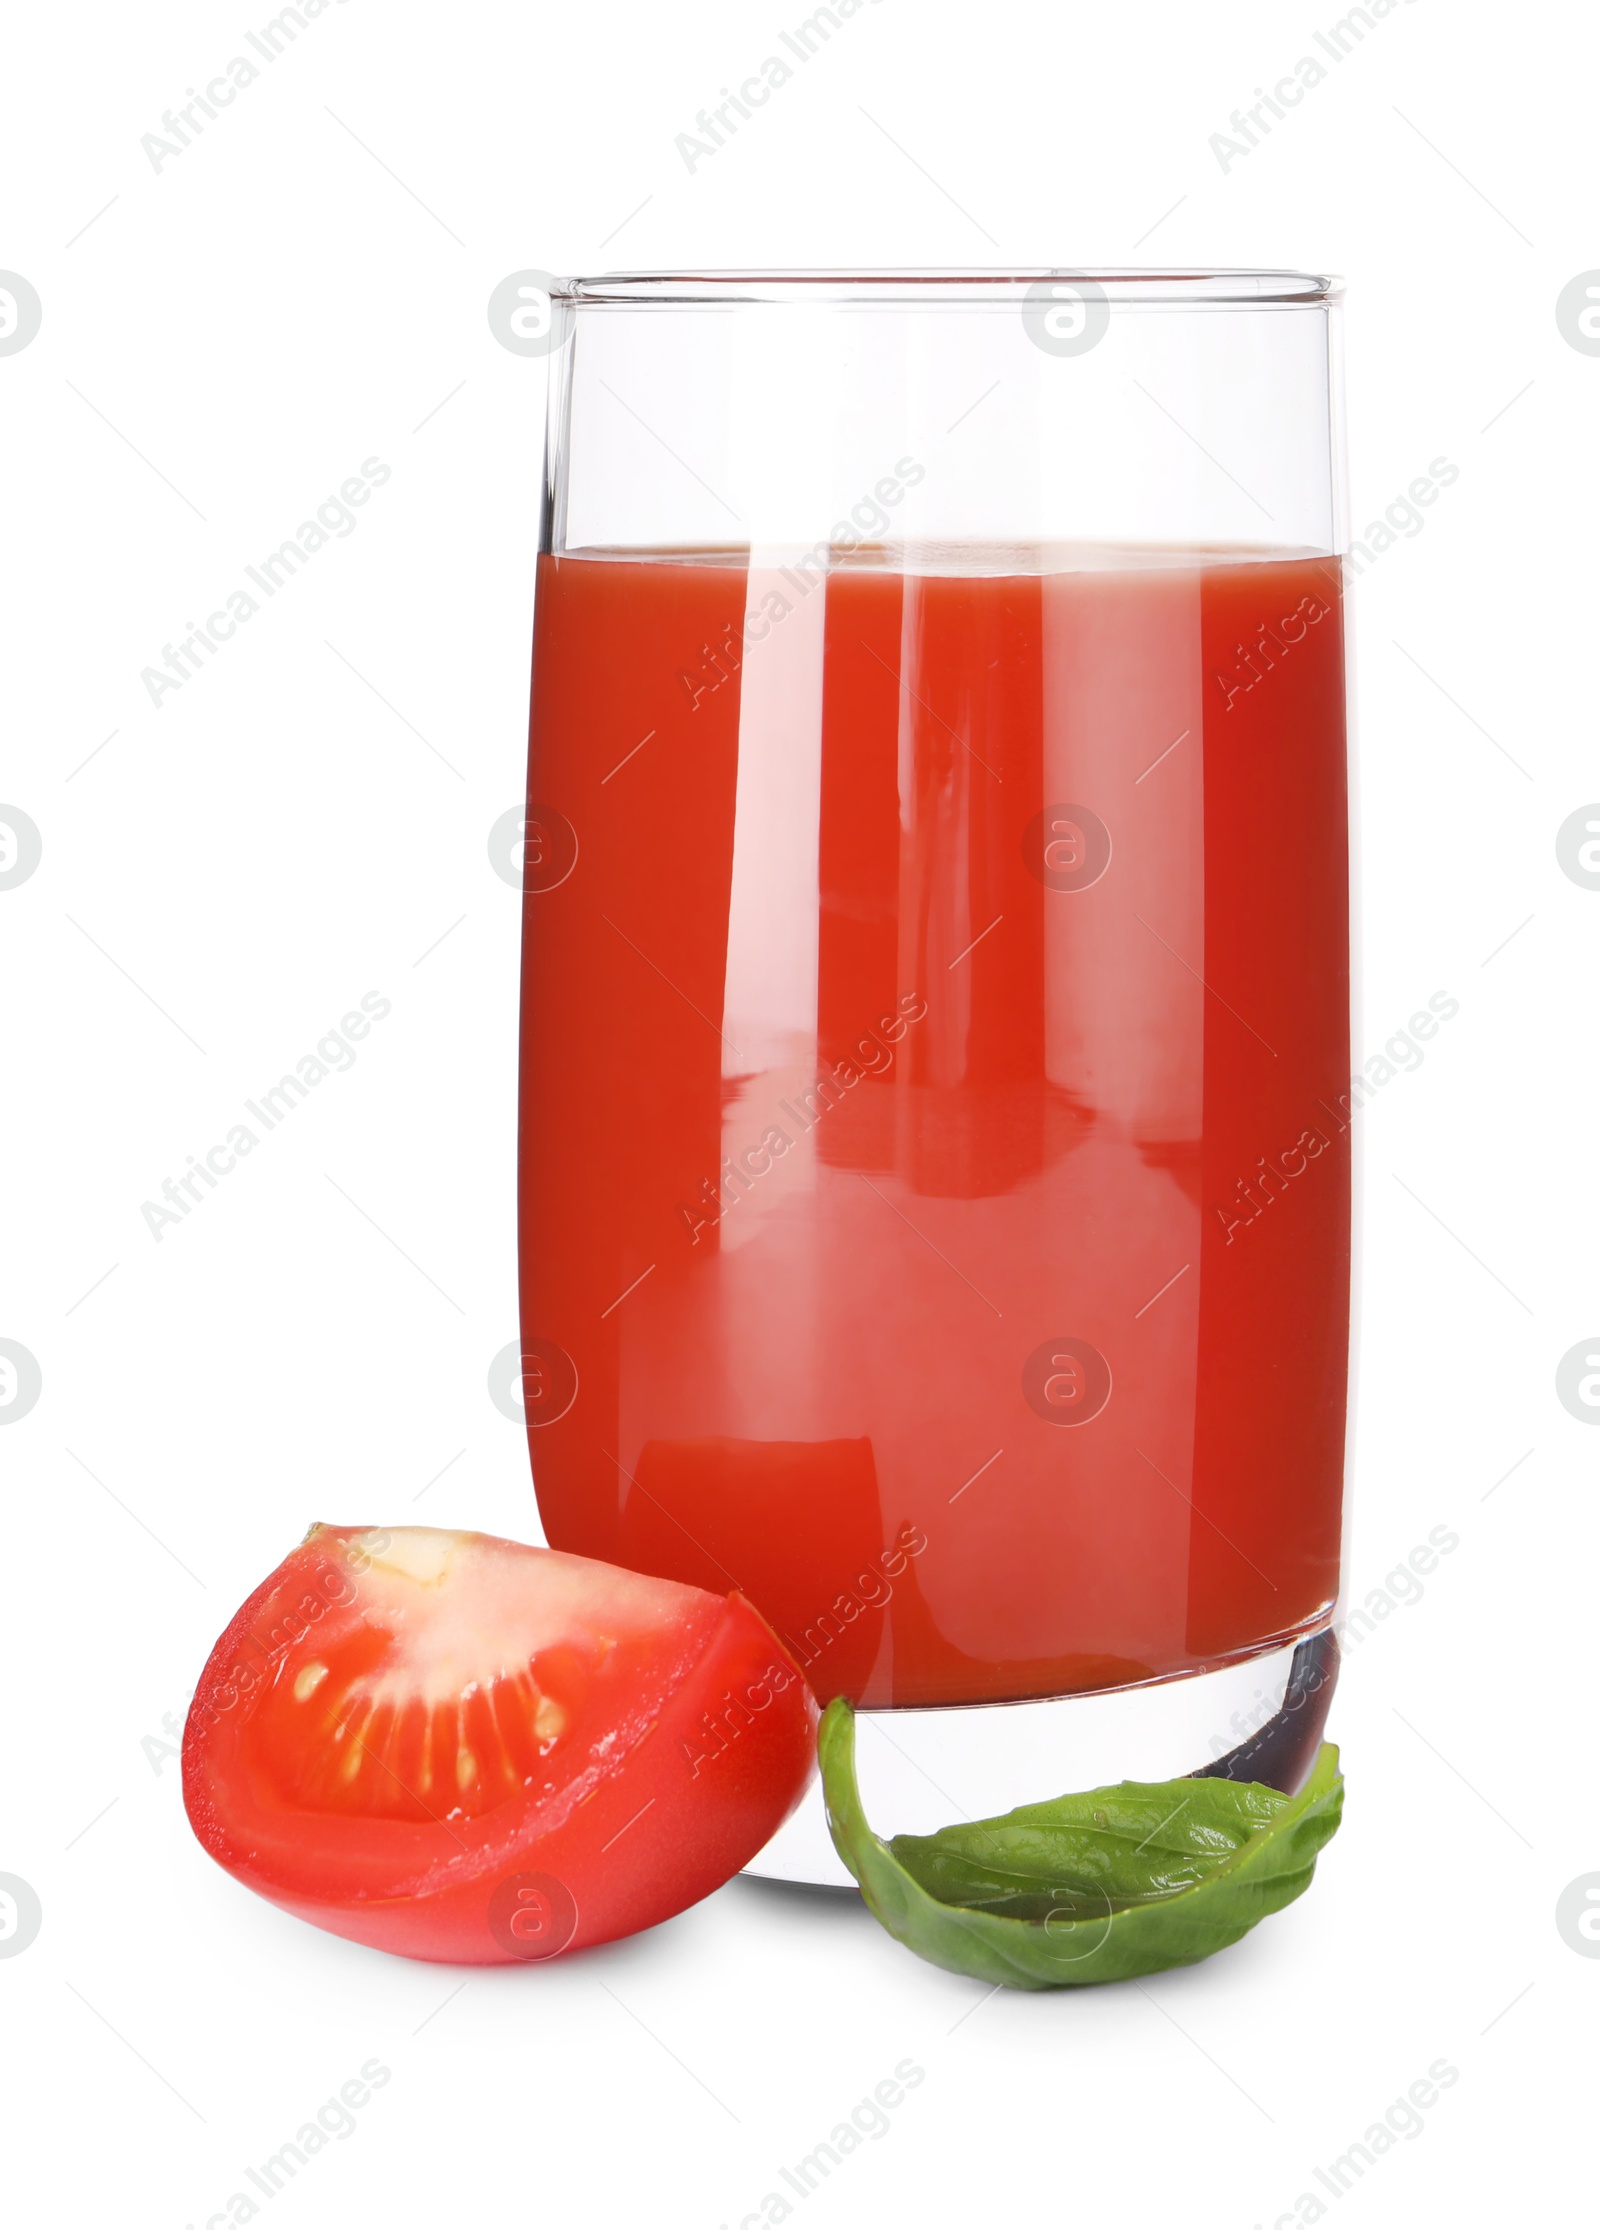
956 287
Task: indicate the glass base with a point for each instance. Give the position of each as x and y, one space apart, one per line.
1257 1719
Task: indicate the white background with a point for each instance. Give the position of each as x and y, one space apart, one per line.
227 874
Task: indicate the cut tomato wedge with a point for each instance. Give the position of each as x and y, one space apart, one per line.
462 1748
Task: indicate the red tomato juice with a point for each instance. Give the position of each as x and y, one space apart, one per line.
934 1156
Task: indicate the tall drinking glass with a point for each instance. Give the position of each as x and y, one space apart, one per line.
935 1151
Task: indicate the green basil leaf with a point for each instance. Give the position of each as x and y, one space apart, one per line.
1112 1848
1098 1887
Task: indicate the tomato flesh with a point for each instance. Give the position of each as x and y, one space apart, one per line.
463 1748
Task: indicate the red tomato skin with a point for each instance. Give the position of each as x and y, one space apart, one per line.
676 1819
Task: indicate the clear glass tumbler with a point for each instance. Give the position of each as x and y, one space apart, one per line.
935 1150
